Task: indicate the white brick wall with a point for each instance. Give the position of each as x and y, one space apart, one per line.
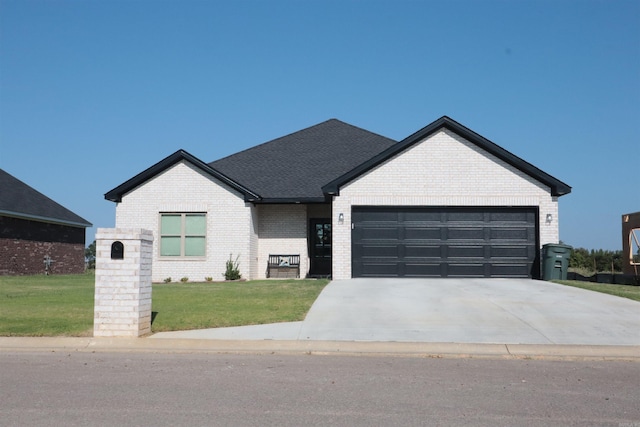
282 230
184 188
254 244
443 170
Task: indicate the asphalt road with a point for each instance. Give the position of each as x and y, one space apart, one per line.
108 389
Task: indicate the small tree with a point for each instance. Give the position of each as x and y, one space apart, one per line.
596 260
90 255
233 269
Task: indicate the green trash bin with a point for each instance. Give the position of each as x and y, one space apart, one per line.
555 261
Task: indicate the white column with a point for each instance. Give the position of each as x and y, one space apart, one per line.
123 284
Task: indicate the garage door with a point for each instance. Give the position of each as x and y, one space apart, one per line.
444 242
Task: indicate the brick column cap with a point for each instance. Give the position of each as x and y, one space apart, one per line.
124 234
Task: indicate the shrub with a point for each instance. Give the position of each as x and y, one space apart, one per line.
184 279
167 280
233 269
208 279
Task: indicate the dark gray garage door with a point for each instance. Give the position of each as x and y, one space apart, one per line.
444 242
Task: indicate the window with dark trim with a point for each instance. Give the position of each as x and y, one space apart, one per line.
183 234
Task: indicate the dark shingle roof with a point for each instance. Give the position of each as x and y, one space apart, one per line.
312 164
296 166
19 200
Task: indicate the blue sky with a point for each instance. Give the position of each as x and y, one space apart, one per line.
93 92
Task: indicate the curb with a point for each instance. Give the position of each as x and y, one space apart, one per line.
347 348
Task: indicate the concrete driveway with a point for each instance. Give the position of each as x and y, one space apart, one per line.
509 311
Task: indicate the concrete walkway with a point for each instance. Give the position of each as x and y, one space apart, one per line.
484 311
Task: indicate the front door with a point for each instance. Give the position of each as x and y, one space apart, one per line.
320 247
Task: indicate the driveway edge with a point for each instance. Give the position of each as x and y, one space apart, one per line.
347 348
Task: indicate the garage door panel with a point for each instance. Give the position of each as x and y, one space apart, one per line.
465 270
379 233
368 251
466 252
515 252
444 242
381 215
467 215
414 233
421 216
465 234
423 270
515 217
510 234
413 251
378 270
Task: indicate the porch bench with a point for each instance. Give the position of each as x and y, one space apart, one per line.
283 266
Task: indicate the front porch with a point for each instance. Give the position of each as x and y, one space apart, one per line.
302 230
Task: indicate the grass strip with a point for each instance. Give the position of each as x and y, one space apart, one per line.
624 291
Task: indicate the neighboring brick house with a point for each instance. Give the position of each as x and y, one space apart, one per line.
444 202
34 228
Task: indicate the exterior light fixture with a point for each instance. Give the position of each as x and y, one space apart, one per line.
549 218
341 218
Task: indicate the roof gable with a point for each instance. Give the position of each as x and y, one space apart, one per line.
558 188
296 166
116 194
312 164
19 200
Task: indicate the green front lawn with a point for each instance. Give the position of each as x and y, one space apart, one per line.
63 305
46 305
212 305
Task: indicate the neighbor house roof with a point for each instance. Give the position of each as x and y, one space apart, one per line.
296 166
558 188
19 200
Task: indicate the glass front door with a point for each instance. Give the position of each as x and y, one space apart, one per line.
320 247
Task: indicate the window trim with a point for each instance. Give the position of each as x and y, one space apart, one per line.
634 250
183 237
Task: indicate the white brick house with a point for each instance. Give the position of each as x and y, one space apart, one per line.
443 202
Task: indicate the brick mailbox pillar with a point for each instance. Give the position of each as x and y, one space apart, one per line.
123 282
